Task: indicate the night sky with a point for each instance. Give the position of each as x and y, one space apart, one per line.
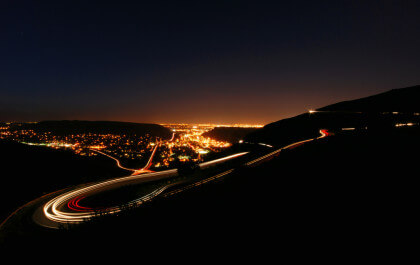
200 61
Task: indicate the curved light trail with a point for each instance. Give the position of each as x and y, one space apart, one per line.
145 169
148 164
142 170
65 208
323 132
117 160
173 136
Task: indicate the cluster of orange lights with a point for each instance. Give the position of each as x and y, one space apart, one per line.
187 143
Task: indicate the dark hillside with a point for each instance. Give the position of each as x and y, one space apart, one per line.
397 100
374 112
348 188
29 171
228 134
304 126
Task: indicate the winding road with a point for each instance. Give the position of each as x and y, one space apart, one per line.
142 170
65 208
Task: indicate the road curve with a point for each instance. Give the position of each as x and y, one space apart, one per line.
116 160
65 208
142 170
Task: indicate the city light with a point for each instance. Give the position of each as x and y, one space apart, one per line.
187 143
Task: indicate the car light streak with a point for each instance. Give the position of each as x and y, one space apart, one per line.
118 161
54 210
173 136
323 132
263 144
148 164
198 183
143 170
217 161
74 205
65 208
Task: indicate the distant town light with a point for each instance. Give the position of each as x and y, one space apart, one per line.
405 124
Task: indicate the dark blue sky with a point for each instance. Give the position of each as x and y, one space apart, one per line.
200 61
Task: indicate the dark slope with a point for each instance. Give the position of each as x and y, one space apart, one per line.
397 100
361 113
339 191
302 127
74 126
228 134
26 172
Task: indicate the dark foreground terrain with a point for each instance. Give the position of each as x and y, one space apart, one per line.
28 172
229 134
378 112
349 192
